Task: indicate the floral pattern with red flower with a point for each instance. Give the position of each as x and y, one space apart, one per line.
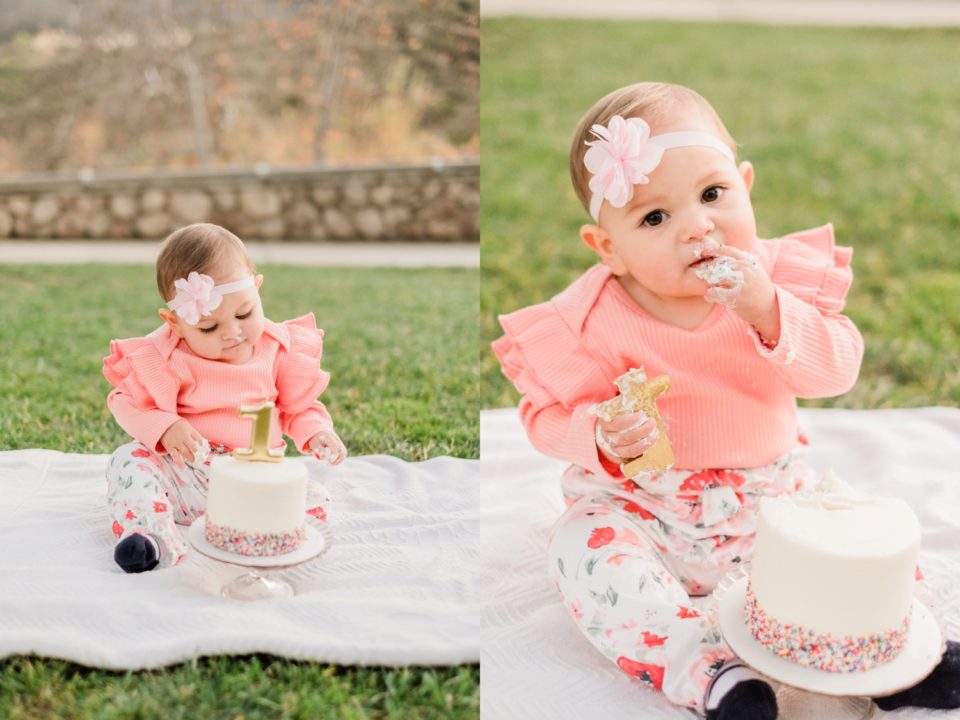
632 507
696 483
600 537
652 639
650 674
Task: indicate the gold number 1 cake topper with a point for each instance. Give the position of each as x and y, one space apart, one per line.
259 450
637 393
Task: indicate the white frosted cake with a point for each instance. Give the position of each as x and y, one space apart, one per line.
832 580
256 508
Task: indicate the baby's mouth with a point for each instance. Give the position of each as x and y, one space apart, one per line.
705 251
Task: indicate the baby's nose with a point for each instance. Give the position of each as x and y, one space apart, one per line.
700 227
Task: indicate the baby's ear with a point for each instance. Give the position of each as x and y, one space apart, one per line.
171 320
597 239
258 281
746 172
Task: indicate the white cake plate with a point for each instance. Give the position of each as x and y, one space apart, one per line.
849 691
255 585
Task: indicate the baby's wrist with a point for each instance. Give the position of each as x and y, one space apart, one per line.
767 325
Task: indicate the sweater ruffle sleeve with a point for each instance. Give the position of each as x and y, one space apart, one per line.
814 269
559 380
820 350
300 380
144 398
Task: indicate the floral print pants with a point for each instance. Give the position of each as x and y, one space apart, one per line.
627 556
147 493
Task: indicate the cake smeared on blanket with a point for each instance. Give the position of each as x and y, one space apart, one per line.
639 394
832 578
257 499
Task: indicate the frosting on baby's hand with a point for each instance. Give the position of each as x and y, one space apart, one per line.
626 401
724 273
638 395
201 452
327 445
724 278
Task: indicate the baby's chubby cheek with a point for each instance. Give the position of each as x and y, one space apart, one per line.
254 337
742 235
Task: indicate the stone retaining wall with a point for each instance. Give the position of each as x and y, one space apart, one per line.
436 202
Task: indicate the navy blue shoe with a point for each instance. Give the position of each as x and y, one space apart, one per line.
136 553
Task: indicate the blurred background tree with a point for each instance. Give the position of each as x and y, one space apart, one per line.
163 83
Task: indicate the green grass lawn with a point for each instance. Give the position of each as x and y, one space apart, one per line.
851 126
400 347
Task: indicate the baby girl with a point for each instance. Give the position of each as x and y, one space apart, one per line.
741 326
177 392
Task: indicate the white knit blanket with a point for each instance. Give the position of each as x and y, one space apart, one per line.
536 665
397 586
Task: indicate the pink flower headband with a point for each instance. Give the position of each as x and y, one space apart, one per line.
624 154
198 296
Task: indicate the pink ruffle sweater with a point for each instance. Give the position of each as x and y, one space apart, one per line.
159 380
732 403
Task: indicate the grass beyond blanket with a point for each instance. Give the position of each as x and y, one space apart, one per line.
850 126
400 347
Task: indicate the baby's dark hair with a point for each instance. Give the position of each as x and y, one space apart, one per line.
657 103
196 248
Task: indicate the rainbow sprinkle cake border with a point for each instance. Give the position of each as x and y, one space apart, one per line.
823 651
251 544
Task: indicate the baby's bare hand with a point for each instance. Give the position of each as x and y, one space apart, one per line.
627 436
181 440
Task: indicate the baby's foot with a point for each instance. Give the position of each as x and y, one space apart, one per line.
940 690
137 553
738 693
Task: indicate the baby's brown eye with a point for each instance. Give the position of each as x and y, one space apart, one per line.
209 329
245 315
653 219
711 194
